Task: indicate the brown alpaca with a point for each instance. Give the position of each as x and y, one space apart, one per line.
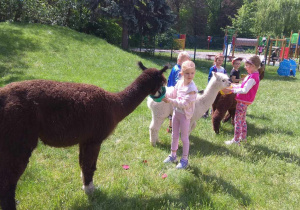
62 114
227 103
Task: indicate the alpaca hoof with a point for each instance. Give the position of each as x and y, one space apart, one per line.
153 143
88 189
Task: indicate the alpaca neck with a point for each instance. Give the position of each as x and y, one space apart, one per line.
210 93
130 98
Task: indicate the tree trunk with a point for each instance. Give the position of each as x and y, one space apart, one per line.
124 35
18 12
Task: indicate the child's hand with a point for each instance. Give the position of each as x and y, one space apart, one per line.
166 100
227 90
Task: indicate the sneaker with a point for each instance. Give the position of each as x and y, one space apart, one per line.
243 140
232 142
170 159
169 130
205 116
183 164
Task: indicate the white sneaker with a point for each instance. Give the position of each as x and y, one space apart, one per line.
232 141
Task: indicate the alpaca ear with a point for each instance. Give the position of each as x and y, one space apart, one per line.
164 69
214 74
141 65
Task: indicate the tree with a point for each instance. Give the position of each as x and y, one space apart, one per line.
140 16
176 6
220 13
244 21
267 17
282 17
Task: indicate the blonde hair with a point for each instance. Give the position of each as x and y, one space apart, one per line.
217 57
183 56
188 65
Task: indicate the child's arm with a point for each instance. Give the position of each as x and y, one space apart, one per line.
185 102
210 72
248 85
171 92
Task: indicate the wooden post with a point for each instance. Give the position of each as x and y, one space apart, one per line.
234 37
283 44
266 49
270 50
290 55
256 50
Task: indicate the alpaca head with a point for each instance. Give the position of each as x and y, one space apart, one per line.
222 80
155 78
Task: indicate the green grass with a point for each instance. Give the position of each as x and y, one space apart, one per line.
262 174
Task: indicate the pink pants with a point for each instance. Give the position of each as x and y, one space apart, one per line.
180 124
240 128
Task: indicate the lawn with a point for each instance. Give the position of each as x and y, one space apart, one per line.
261 174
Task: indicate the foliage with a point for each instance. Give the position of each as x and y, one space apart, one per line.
204 17
283 17
268 17
244 21
107 29
140 16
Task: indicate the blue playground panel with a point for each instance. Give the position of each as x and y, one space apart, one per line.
287 67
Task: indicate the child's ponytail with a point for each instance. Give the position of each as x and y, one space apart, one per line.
261 71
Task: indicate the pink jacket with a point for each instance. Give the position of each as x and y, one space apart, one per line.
180 98
246 92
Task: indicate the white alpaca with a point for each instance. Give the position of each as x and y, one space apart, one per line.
161 110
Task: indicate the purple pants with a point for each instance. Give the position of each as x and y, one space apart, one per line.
240 128
180 124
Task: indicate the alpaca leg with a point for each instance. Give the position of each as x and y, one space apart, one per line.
232 114
216 120
227 117
192 126
12 165
7 197
88 155
154 129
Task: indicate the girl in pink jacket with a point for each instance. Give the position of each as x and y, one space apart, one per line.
182 97
245 95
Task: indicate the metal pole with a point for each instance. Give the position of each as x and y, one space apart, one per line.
172 48
195 48
226 47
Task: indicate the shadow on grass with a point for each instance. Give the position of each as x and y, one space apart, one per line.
12 49
260 152
220 184
193 193
120 200
255 131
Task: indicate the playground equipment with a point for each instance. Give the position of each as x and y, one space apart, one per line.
236 42
180 41
294 44
245 42
286 47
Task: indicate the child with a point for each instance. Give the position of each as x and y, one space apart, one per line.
245 96
235 72
260 49
182 97
219 59
175 76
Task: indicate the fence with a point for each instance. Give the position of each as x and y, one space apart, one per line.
199 47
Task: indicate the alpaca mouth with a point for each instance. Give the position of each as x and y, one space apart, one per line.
160 94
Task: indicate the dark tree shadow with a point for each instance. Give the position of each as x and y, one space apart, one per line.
12 53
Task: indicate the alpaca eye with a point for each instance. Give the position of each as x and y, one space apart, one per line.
223 80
